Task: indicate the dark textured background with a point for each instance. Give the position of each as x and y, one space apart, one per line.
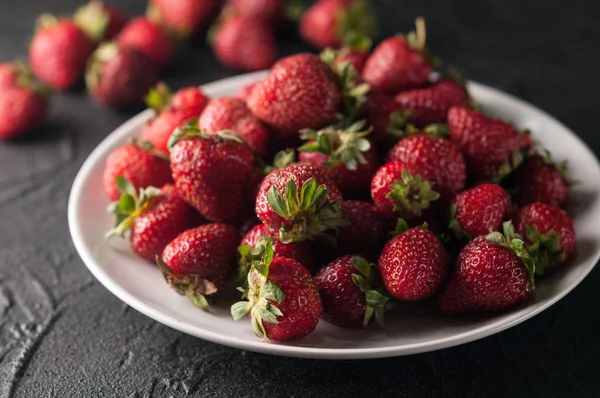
64 335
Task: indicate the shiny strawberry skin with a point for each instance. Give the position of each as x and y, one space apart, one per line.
541 182
482 209
413 264
21 111
147 37
486 143
366 233
166 217
275 99
394 66
302 252
137 165
229 113
189 102
350 182
58 54
431 105
299 173
440 157
208 251
184 17
264 10
301 306
158 130
344 304
548 218
212 176
487 277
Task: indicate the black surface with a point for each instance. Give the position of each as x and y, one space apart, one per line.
62 334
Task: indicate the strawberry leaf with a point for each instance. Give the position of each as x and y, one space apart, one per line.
272 292
240 309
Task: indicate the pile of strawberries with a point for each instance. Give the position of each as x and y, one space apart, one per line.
337 184
121 60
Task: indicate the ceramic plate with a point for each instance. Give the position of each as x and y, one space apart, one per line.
411 328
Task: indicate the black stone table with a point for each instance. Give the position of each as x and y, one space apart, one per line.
62 334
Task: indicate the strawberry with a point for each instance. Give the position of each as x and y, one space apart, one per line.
351 292
549 234
22 109
119 76
492 273
398 63
256 240
59 51
264 10
386 116
212 173
228 113
182 17
542 180
12 72
348 157
366 232
275 99
154 216
491 147
244 92
99 20
431 105
403 189
200 261
159 129
189 101
138 164
479 210
299 202
440 158
283 301
148 38
327 22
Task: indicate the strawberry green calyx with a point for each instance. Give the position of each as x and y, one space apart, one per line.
402 226
342 146
368 282
455 226
545 249
261 294
24 78
356 20
281 160
411 194
92 19
131 204
192 130
307 215
401 128
510 239
249 255
46 21
159 97
354 40
516 159
190 285
293 10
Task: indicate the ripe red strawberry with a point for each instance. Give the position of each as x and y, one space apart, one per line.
440 157
549 234
398 63
244 92
59 51
148 38
229 113
212 173
264 10
347 155
182 17
258 237
159 129
139 165
154 216
479 210
99 20
491 147
299 202
401 189
189 101
351 292
13 72
492 273
413 265
366 233
327 22
275 99
22 109
542 180
283 301
200 261
431 105
119 76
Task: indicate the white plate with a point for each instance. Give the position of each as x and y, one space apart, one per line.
411 328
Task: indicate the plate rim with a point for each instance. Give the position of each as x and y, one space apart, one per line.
258 346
